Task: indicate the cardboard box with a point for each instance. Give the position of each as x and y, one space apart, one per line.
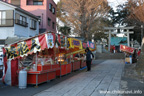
127 59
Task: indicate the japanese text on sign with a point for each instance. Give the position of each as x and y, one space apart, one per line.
21 49
77 43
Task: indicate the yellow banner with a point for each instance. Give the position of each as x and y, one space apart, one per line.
74 43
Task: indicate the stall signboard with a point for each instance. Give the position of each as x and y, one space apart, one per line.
74 43
23 48
126 49
91 45
57 41
63 41
34 44
50 40
84 45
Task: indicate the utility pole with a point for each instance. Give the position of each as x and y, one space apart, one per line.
109 40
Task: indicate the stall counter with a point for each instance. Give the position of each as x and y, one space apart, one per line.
43 74
76 65
65 69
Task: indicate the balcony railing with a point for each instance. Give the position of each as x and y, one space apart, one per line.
34 28
6 22
20 22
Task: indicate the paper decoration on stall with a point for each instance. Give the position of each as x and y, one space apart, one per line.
66 42
90 45
63 40
57 43
75 43
50 40
126 49
84 45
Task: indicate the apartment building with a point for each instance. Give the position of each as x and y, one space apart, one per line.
44 9
16 22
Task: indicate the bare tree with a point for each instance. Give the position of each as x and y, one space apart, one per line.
136 8
81 14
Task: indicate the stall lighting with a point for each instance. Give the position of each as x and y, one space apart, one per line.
124 47
60 58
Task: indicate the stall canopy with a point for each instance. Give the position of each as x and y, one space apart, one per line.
126 49
46 41
34 44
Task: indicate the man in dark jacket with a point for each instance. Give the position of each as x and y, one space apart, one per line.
89 56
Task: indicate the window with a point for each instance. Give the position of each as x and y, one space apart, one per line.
24 20
53 25
1 43
33 24
6 18
2 17
49 21
50 6
53 10
34 2
37 3
21 20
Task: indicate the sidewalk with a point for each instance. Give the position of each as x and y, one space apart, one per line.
103 78
6 90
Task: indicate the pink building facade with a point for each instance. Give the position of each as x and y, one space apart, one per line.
44 9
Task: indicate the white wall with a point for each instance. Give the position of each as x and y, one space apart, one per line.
5 7
17 30
6 31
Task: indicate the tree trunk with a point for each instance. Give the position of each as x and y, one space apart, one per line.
140 63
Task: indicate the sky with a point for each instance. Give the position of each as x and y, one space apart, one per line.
114 3
56 1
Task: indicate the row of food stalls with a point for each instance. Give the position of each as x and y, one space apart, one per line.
44 57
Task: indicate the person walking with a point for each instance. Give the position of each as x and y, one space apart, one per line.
89 56
138 53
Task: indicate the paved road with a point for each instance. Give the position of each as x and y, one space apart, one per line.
31 90
104 77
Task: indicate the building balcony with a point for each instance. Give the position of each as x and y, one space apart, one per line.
6 23
22 23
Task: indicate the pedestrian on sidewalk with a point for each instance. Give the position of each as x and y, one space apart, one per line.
138 53
89 56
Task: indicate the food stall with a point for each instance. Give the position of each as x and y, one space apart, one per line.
65 65
64 61
44 57
128 53
91 46
38 55
79 49
75 46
